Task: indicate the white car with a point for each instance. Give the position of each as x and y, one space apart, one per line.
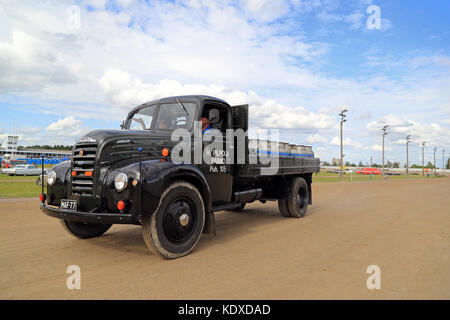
25 170
9 171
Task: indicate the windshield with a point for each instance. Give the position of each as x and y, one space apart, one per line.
170 116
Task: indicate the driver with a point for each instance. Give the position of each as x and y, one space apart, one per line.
205 124
163 124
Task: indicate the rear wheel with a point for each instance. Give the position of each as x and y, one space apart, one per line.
85 230
173 230
282 206
297 200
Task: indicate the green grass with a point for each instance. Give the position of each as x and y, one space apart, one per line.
19 189
5 177
18 186
334 177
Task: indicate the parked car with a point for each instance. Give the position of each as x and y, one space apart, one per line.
23 170
390 173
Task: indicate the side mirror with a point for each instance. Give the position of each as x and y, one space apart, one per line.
122 126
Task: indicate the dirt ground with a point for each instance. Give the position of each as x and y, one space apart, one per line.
401 226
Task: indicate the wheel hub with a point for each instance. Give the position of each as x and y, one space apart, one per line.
179 220
184 219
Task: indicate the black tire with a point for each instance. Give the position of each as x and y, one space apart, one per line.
282 206
164 231
85 230
297 200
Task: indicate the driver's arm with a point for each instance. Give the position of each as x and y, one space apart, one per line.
141 122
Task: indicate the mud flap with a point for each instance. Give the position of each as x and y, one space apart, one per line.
309 194
210 223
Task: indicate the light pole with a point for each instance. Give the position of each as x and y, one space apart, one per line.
423 159
408 138
434 160
343 115
384 133
443 160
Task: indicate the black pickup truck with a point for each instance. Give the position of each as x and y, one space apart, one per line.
135 175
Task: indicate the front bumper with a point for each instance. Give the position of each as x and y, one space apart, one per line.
88 217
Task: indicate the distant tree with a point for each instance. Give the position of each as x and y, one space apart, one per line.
347 164
396 165
48 147
353 165
360 164
325 164
429 165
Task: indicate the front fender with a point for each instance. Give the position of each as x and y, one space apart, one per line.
158 175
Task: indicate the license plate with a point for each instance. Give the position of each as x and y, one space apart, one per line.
68 205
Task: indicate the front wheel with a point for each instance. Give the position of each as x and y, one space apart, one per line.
173 230
85 230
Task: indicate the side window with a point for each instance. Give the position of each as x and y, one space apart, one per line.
216 116
142 120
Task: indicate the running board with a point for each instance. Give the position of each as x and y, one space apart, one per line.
228 206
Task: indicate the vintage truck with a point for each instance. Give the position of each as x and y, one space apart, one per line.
130 176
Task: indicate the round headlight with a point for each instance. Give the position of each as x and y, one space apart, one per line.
51 178
120 181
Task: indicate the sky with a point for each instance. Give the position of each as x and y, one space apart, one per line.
68 67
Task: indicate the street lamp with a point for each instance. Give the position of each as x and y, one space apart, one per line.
434 160
423 159
443 166
343 115
384 129
408 138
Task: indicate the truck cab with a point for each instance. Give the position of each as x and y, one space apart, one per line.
153 173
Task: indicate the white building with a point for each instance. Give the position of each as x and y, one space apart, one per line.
10 144
10 147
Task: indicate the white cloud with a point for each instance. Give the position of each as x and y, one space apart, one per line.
377 147
66 123
266 10
98 4
66 127
124 90
316 138
399 128
393 121
29 64
336 141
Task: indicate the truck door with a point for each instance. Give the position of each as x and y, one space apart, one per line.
219 174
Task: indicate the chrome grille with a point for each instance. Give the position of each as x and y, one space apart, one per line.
83 161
